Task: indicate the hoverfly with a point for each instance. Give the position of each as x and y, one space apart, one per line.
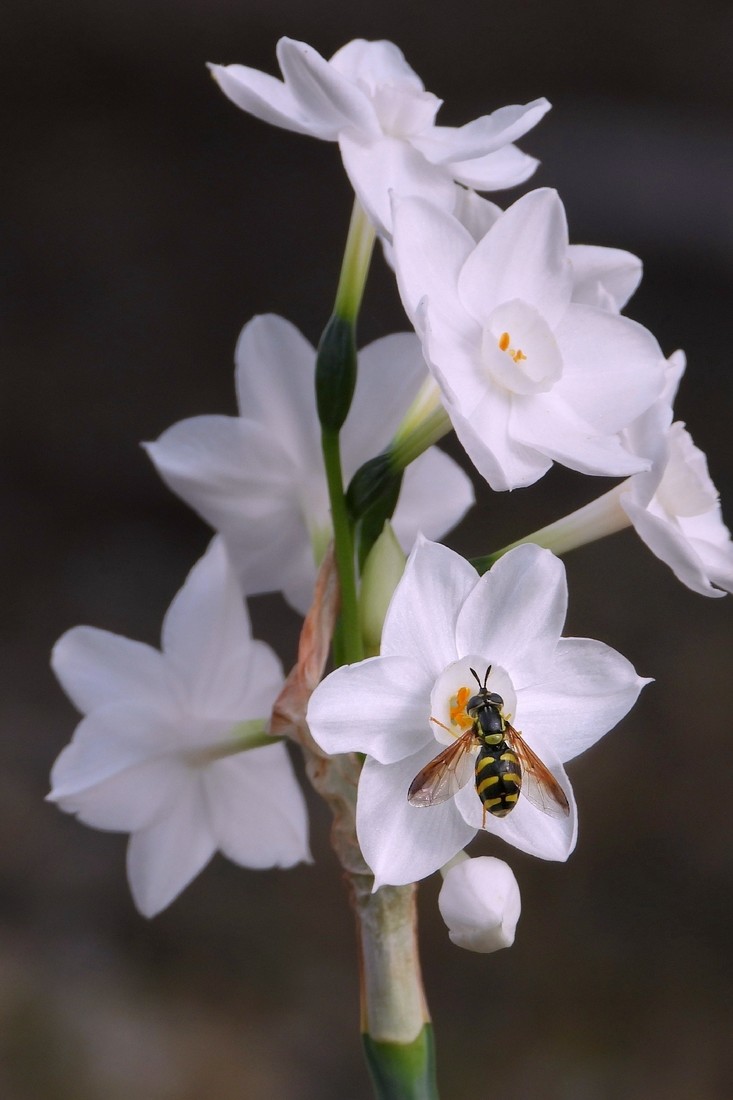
504 764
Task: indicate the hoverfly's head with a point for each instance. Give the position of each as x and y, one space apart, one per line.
484 697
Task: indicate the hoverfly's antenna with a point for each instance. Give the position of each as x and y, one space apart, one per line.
476 677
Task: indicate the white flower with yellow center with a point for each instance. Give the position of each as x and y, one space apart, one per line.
404 707
529 373
369 100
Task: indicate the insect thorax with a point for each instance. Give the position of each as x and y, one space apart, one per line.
490 725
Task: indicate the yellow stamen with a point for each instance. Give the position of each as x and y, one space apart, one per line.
505 345
458 715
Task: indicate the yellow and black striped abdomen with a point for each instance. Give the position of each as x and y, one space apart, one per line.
498 778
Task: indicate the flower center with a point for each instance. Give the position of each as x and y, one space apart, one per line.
455 686
519 349
505 342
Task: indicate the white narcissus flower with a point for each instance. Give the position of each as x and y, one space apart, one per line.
480 903
562 694
159 754
681 520
369 100
258 478
529 375
674 507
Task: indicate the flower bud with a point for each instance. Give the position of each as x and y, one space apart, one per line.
382 571
335 373
479 901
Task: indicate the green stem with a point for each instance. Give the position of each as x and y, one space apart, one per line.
395 1024
335 381
250 734
405 448
403 1071
343 549
355 265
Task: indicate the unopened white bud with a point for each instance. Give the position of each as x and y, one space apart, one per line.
479 901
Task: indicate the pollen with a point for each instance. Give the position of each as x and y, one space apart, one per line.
505 344
458 715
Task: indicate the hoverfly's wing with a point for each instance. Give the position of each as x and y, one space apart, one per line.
539 785
445 774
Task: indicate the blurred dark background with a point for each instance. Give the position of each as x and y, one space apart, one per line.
143 220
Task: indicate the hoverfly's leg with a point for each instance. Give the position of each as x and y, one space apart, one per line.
483 816
442 726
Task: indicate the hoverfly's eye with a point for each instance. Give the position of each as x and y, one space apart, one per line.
475 702
494 699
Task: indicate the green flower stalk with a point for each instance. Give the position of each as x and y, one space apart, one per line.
593 521
335 382
395 1024
425 423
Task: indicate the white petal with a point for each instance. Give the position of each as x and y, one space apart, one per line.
268 99
164 857
257 810
331 100
435 496
111 739
549 424
523 255
375 63
475 213
604 271
275 382
430 249
95 667
208 640
673 371
686 489
665 538
502 460
422 616
237 477
404 843
613 367
516 612
507 167
717 559
128 801
120 768
480 903
585 691
381 166
380 706
446 144
298 576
